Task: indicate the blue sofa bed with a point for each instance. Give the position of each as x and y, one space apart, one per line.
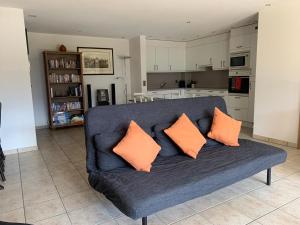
173 179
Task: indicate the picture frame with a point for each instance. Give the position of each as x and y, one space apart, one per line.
97 61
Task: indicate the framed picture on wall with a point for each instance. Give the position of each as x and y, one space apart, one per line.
97 61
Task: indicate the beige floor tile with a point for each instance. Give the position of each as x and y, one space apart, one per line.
11 179
194 220
80 200
175 213
91 215
279 217
254 223
57 220
278 194
11 198
39 195
36 176
152 220
250 206
203 203
247 185
44 210
70 185
62 170
292 208
16 216
224 215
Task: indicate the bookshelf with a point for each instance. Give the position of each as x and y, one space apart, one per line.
64 82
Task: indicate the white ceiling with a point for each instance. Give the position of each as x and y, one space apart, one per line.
157 19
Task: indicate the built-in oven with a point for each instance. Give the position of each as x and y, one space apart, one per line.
238 85
240 60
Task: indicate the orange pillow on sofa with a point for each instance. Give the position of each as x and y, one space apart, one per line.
186 135
137 148
225 129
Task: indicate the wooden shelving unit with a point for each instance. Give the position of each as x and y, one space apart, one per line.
64 81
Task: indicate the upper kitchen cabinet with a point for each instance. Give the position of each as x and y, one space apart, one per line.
210 51
151 62
241 38
162 59
220 57
165 56
177 59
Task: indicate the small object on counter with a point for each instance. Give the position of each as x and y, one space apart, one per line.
181 84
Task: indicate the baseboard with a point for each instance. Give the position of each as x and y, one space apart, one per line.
41 127
28 149
274 141
20 150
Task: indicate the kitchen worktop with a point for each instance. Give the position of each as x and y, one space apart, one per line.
169 89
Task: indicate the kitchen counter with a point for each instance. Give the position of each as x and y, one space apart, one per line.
204 89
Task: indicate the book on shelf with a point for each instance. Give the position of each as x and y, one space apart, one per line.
64 78
62 63
65 106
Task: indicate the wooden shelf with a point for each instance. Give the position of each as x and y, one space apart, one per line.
62 97
57 69
67 58
66 125
67 83
71 110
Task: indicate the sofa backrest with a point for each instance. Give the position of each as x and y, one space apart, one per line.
113 118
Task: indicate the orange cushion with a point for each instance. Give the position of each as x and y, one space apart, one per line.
225 129
137 148
186 135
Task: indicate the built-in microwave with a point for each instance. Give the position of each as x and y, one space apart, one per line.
240 60
238 85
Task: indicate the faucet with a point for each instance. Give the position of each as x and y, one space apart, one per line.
163 84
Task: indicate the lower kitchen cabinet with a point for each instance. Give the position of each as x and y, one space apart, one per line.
238 113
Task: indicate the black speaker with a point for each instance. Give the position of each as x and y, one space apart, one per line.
89 95
113 94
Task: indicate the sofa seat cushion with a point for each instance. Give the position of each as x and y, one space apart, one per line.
174 180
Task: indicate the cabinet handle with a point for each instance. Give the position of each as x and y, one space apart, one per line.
237 109
210 60
240 46
170 67
237 97
196 66
156 67
221 64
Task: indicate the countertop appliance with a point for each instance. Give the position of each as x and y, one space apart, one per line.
240 60
238 85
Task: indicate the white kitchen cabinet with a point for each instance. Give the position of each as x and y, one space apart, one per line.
204 56
165 59
238 113
220 56
151 64
238 101
253 53
162 59
240 43
177 59
192 54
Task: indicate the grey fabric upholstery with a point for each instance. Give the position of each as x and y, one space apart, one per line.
174 179
168 147
106 159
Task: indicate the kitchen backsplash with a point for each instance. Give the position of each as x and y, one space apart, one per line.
204 79
155 80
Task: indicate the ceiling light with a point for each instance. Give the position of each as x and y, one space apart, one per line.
32 16
268 4
188 22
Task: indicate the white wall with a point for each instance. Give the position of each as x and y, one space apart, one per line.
38 42
277 95
17 128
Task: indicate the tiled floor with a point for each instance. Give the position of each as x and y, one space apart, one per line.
50 187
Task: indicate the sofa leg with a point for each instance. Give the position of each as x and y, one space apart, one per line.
269 176
144 220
